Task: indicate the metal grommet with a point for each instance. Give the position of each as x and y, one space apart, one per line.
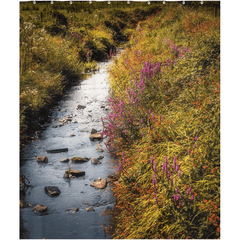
183 2
148 2
164 2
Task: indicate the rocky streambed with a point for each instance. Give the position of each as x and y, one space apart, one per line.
67 166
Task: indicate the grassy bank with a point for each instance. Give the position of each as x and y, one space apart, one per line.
164 127
60 41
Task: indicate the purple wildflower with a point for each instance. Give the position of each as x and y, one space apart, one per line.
188 151
196 138
155 167
176 197
179 173
177 167
152 160
189 190
154 181
192 197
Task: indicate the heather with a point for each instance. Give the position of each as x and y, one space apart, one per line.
164 127
59 43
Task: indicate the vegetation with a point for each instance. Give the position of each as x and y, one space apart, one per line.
164 127
61 41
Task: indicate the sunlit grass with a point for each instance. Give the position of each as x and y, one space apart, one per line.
164 128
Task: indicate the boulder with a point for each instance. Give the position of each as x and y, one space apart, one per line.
72 135
95 136
100 157
52 191
102 183
42 159
64 160
39 208
79 159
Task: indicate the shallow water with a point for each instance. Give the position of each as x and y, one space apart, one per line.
58 222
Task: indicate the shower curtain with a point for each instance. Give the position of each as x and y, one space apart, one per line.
119 119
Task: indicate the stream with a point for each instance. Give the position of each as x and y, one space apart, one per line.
59 221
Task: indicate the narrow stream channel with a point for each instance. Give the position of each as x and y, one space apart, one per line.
58 222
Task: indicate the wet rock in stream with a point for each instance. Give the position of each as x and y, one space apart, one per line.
64 160
79 159
52 191
99 148
80 106
102 183
88 209
42 159
93 131
39 208
95 161
57 150
75 173
74 210
95 136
